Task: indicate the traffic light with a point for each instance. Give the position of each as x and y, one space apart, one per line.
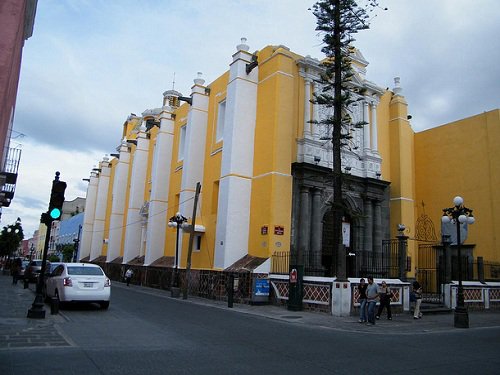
45 219
56 198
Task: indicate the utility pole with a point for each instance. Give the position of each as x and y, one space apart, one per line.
191 239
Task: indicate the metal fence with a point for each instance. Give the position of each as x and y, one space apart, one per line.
202 283
383 264
486 271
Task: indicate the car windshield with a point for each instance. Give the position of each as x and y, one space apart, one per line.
82 270
36 263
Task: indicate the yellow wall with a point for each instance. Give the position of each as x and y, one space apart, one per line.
274 141
42 233
396 147
461 158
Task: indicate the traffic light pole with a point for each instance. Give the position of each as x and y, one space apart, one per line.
37 311
54 213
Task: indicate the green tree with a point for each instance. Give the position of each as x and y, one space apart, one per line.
53 258
337 21
10 238
67 252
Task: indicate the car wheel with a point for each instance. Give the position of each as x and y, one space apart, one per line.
104 304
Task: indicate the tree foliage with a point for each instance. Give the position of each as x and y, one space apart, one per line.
67 252
10 238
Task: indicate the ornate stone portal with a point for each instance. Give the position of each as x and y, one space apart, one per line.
366 222
365 225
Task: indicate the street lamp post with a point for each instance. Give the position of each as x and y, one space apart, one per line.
176 221
32 250
13 233
76 244
459 214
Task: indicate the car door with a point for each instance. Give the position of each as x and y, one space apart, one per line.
52 280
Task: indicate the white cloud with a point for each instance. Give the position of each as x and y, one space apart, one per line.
37 170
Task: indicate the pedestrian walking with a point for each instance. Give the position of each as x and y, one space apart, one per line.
15 269
385 300
128 276
371 297
417 296
362 300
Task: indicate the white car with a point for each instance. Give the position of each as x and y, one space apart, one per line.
79 282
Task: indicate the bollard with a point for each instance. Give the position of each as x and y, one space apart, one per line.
230 291
54 306
26 283
480 269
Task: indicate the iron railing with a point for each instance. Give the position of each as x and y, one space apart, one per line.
490 271
9 176
202 283
383 264
12 160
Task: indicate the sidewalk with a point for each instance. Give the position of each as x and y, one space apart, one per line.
16 330
402 324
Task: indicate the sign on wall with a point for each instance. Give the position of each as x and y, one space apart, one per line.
279 230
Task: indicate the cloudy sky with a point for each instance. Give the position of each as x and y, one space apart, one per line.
90 63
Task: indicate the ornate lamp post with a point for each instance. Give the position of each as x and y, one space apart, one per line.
12 235
176 221
459 214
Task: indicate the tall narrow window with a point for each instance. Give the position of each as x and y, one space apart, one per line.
221 118
197 242
182 142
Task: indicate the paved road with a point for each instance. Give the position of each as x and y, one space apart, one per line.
146 332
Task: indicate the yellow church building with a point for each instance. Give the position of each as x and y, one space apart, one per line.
251 139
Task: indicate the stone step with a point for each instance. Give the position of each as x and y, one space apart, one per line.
434 308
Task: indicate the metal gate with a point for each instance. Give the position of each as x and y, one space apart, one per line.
431 272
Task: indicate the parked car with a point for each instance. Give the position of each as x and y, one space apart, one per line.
49 268
71 282
33 270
